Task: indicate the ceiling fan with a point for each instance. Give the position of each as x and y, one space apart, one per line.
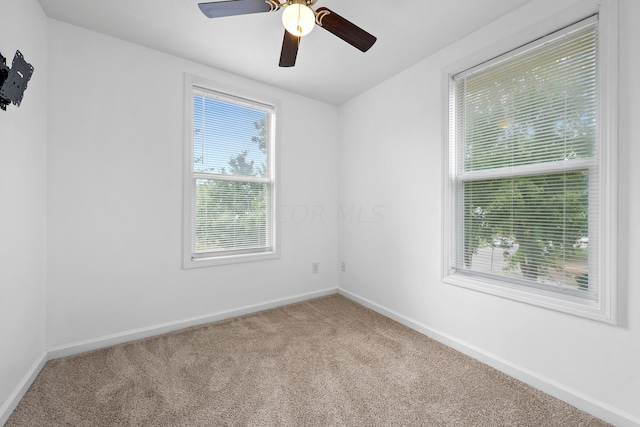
298 19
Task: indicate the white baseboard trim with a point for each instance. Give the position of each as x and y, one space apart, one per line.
136 334
573 397
9 405
14 398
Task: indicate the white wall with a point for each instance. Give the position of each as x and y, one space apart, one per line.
22 200
115 194
391 156
111 180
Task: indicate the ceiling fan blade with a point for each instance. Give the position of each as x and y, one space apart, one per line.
347 31
219 9
289 49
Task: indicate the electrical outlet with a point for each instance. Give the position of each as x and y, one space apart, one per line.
344 267
315 268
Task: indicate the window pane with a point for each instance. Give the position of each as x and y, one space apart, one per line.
230 215
538 107
228 139
533 228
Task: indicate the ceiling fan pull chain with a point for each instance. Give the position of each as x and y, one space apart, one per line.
320 14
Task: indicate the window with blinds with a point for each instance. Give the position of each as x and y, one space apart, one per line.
231 182
524 166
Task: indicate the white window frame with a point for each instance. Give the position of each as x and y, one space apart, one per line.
604 308
189 259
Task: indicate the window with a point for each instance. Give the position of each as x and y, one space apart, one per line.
230 178
529 181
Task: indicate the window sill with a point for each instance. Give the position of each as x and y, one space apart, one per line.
583 307
190 262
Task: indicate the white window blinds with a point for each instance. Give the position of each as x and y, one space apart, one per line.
232 179
525 166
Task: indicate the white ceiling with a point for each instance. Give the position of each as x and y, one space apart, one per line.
327 68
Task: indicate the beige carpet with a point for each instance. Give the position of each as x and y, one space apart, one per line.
325 362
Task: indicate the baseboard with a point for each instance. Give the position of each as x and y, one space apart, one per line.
573 397
136 334
14 398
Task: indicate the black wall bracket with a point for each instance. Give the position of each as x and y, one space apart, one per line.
13 81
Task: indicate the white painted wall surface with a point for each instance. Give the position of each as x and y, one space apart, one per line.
115 194
391 157
23 199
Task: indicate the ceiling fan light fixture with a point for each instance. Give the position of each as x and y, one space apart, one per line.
298 19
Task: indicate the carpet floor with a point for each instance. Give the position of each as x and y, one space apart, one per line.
325 362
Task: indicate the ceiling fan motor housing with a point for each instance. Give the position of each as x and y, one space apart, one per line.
304 2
